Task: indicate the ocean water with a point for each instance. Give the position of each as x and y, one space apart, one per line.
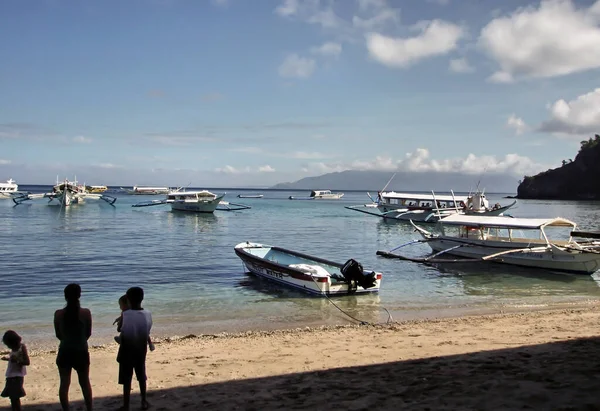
195 284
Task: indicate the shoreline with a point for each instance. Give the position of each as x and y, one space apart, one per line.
496 361
105 338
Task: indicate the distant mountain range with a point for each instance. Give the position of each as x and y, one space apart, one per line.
404 181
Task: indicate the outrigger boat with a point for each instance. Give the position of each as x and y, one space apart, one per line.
517 241
307 273
147 190
320 195
429 208
194 201
65 193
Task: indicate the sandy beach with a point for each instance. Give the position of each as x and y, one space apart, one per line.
535 360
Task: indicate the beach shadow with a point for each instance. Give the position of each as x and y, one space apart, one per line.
553 376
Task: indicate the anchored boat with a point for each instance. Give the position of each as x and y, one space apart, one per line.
320 195
529 242
429 208
307 273
65 193
194 201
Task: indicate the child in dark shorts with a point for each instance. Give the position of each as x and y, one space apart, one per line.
135 332
16 370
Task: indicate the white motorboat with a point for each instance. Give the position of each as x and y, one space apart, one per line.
307 273
8 189
429 208
320 195
525 242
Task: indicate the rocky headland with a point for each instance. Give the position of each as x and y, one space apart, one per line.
574 180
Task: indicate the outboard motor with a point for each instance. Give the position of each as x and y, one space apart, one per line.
354 275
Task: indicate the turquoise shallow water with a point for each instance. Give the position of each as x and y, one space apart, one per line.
195 283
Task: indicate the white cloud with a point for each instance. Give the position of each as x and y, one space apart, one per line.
517 124
244 170
577 117
437 37
328 49
326 18
108 165
296 66
420 161
230 170
554 39
461 65
287 8
4 162
82 140
379 19
266 169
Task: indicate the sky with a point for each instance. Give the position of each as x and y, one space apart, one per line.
236 93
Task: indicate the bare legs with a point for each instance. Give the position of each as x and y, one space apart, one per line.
127 395
15 404
86 387
65 382
63 390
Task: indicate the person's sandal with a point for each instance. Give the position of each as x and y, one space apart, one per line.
145 405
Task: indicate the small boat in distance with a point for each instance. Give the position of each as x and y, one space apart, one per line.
320 195
250 196
517 241
147 190
96 189
307 273
8 189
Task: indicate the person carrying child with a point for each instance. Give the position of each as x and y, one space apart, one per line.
124 306
16 370
135 330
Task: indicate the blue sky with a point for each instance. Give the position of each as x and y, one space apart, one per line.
251 93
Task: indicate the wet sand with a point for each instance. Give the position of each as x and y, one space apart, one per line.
536 360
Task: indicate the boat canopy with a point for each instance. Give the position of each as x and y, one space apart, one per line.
505 222
423 197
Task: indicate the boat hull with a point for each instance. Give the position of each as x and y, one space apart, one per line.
546 258
273 264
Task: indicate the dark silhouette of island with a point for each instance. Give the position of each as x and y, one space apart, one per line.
574 180
405 181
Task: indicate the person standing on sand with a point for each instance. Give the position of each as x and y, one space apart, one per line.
18 360
73 327
135 331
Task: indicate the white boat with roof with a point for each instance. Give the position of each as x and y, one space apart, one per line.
147 190
65 193
307 273
8 189
530 242
195 201
320 195
424 207
198 201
